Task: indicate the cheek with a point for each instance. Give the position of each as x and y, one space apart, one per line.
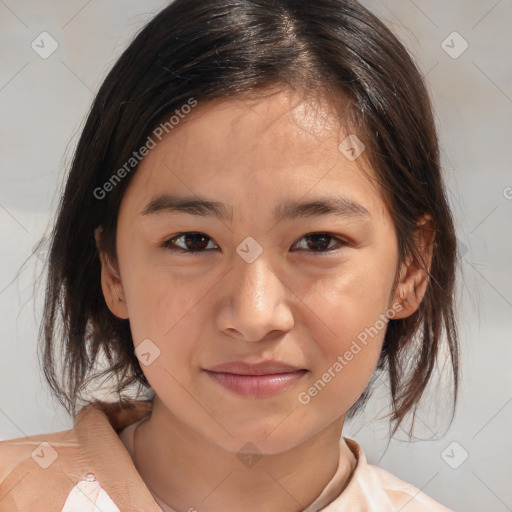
352 299
163 310
171 310
352 306
161 326
157 295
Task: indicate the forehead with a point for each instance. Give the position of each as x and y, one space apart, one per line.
280 144
282 120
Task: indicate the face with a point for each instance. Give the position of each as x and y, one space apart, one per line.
295 256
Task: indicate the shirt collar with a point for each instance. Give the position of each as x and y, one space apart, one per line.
96 427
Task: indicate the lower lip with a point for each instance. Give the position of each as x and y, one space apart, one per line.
256 385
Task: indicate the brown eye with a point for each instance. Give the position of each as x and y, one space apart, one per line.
320 242
190 242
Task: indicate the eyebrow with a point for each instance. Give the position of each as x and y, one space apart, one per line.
339 206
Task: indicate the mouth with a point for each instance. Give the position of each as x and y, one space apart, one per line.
262 379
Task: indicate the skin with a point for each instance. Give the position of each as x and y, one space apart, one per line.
298 306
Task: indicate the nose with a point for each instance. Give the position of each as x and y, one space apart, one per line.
254 305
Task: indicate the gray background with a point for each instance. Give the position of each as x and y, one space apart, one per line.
43 103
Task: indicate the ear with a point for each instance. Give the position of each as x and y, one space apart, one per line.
111 282
414 271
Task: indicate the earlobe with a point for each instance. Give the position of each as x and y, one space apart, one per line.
111 284
414 273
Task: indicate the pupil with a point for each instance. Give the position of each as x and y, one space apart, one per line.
197 241
323 240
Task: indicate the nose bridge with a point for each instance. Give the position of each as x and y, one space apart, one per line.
258 286
256 298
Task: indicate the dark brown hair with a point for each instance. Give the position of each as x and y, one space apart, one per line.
211 49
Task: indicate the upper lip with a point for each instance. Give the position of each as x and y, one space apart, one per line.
263 368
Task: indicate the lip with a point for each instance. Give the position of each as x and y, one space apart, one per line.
262 368
260 379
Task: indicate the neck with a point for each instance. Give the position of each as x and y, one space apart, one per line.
189 472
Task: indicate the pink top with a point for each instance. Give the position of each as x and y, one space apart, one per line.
89 469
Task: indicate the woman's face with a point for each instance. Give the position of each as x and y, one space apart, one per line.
296 261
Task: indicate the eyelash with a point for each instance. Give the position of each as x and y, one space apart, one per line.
168 243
